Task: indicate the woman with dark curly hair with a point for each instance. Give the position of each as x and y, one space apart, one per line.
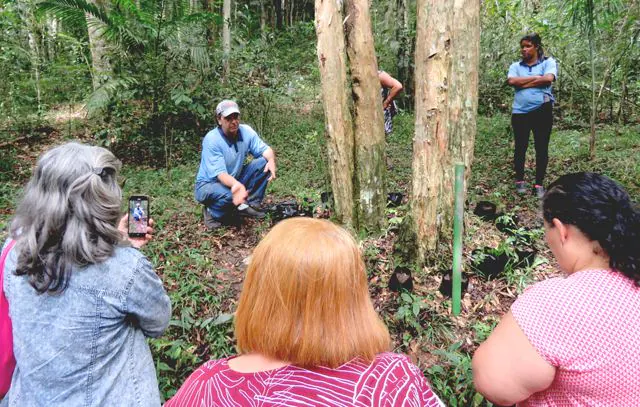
82 300
574 341
531 78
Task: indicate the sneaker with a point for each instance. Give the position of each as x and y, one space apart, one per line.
209 221
521 187
539 191
247 211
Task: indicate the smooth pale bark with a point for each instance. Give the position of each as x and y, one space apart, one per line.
368 116
431 141
100 64
339 132
463 90
226 37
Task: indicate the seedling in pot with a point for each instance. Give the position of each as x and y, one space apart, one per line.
507 223
526 255
490 263
446 285
401 279
485 210
394 199
326 198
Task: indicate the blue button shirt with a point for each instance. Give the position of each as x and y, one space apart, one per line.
529 99
221 155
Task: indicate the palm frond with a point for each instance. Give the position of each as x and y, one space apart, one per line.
101 97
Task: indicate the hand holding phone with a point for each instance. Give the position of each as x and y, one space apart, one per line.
138 215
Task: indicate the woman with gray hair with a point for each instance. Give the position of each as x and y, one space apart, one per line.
81 299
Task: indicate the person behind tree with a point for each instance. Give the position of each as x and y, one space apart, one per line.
307 332
390 88
82 300
224 184
574 340
532 111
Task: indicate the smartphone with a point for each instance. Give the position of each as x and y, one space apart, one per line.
138 215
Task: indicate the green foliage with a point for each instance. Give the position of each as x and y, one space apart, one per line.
452 380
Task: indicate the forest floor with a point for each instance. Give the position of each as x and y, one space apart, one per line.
203 271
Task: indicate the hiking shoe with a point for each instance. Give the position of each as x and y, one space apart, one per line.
539 191
247 211
210 222
521 187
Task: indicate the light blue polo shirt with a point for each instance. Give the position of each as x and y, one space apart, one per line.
529 99
221 155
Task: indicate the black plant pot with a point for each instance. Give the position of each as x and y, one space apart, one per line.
394 199
508 225
446 286
526 256
401 279
326 198
491 266
485 210
288 209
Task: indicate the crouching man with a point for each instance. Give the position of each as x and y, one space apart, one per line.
224 185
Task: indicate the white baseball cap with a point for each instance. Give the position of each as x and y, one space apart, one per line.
227 107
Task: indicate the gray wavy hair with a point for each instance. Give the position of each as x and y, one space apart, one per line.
68 215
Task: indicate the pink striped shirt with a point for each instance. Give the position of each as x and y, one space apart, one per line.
391 380
587 325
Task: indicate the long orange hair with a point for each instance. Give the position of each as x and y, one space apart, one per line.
305 298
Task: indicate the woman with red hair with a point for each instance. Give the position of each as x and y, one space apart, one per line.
307 332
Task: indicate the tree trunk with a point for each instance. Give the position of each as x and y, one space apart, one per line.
431 143
277 7
333 76
226 37
592 121
463 92
263 20
368 116
406 46
99 60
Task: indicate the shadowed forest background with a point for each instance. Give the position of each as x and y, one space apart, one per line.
142 78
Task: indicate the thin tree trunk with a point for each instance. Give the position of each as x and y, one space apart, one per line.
52 34
99 59
463 93
35 64
592 121
431 143
333 76
263 20
277 6
226 38
368 116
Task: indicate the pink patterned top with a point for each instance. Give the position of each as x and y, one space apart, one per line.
587 325
391 380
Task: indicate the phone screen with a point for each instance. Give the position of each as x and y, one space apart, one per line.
138 215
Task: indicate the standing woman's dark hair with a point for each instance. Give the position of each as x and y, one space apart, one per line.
603 211
535 39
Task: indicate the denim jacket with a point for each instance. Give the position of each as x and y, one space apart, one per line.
86 346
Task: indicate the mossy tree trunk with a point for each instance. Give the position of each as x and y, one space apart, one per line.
431 140
339 131
368 117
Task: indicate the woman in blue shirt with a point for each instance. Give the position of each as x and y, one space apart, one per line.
531 79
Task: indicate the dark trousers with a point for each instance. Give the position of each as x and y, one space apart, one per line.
540 122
